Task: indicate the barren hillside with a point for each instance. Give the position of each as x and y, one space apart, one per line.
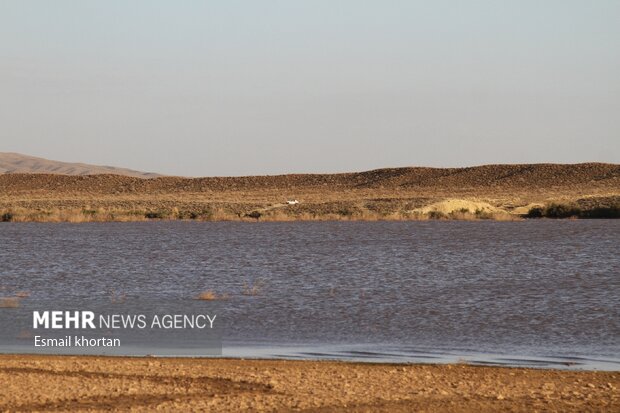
18 163
397 193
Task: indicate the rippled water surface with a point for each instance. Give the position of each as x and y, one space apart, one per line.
535 293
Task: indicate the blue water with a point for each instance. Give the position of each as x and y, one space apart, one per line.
541 293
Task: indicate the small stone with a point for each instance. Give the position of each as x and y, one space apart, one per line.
500 397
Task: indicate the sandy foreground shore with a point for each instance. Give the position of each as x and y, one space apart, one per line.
68 383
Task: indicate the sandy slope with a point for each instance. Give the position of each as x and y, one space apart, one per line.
380 194
57 383
18 163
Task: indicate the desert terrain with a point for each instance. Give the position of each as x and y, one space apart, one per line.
72 383
484 192
11 162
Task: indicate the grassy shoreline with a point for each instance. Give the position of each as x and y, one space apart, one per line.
550 211
79 383
498 192
80 216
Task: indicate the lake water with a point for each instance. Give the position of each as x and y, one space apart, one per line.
537 293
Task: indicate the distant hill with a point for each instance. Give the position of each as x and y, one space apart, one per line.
477 180
480 192
18 163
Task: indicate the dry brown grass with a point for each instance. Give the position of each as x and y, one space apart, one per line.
321 213
253 289
9 302
210 295
74 215
117 298
502 192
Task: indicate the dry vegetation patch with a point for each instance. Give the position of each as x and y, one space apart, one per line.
485 192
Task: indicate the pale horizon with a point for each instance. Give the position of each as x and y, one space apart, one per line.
239 88
129 167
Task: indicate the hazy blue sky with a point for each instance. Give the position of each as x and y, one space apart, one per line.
262 87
